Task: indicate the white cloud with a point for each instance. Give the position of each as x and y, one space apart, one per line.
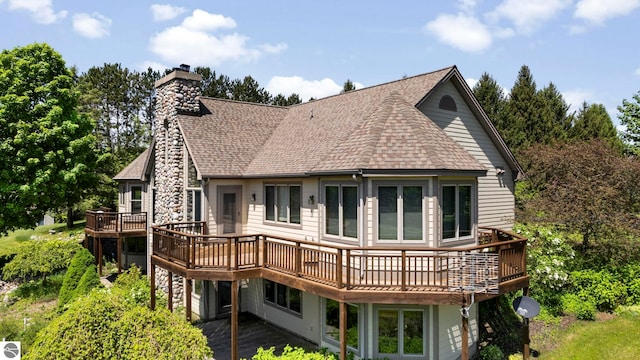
637 72
467 5
598 11
273 49
201 20
195 42
471 82
530 14
154 65
166 12
461 31
307 89
92 26
574 98
41 10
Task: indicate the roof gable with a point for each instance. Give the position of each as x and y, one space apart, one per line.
138 168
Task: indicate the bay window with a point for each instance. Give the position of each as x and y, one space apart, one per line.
401 213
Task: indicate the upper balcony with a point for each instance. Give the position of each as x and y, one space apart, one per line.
107 224
354 274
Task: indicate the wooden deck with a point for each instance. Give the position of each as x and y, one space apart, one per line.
370 274
113 224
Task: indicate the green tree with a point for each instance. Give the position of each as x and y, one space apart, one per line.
521 112
249 90
348 86
492 99
554 121
40 258
47 149
88 281
281 100
79 264
629 115
212 85
593 122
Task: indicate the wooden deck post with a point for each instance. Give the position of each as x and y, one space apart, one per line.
153 287
465 338
170 281
119 254
234 321
525 331
99 256
187 295
343 330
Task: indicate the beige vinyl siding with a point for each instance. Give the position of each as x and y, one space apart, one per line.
307 326
309 214
495 193
449 329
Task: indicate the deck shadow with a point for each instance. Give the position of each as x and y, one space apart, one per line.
253 333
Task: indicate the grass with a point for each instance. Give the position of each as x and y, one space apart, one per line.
613 338
10 243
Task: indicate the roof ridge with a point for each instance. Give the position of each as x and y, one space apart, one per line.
242 102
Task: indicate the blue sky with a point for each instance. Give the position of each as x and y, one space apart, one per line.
589 48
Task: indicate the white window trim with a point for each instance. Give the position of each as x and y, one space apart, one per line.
131 200
426 194
340 236
275 220
275 304
401 310
474 212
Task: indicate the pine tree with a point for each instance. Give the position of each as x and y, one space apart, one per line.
492 99
521 112
553 122
593 122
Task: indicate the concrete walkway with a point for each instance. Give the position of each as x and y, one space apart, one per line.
252 334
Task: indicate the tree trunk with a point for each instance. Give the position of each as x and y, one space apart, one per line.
70 217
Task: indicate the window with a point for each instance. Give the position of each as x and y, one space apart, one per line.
282 203
457 217
332 322
121 190
135 245
447 103
401 333
341 211
194 205
197 287
401 212
136 199
283 296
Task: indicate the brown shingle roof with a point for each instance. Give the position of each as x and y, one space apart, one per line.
137 168
376 128
224 140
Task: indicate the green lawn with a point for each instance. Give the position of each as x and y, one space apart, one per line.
615 338
9 243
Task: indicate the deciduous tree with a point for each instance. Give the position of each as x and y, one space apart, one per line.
629 115
46 149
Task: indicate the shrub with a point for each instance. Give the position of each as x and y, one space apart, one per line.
491 352
88 281
79 264
40 258
574 305
290 353
109 324
549 257
599 288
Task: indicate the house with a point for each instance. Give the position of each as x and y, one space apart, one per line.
369 222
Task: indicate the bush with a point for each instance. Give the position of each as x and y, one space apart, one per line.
574 305
88 281
549 257
491 352
110 324
79 264
40 258
290 353
598 287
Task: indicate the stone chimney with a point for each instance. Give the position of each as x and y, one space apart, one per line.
176 94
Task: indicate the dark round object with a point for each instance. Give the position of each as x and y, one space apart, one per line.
526 307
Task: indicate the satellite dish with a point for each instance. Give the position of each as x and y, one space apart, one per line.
526 307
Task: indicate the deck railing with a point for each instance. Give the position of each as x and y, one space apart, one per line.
106 221
485 265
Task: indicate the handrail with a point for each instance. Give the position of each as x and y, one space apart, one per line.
343 266
107 221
